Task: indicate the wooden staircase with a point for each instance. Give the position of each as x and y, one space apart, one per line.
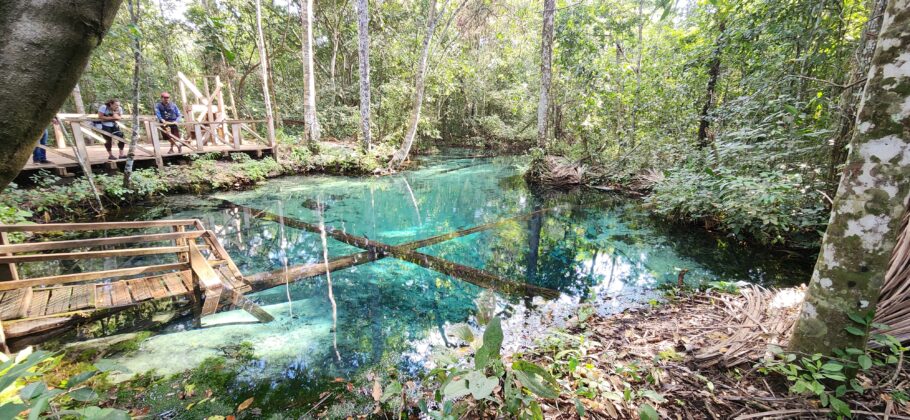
195 266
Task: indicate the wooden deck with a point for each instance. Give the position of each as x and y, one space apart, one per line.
98 156
199 270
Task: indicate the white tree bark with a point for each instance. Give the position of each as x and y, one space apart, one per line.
871 200
363 51
546 60
402 153
134 120
264 69
309 81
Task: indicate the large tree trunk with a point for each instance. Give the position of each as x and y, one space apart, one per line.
850 97
363 52
546 60
137 66
704 122
264 72
402 153
43 51
870 202
309 79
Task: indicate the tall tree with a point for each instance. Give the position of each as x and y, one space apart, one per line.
264 72
546 63
850 97
870 201
704 119
363 52
402 153
136 42
43 51
309 79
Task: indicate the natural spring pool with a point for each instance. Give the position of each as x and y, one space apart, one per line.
593 248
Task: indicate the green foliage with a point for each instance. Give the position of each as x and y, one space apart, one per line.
769 207
70 398
519 383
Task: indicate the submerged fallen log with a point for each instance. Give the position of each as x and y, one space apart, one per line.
556 171
403 252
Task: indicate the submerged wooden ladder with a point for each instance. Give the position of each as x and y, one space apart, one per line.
183 268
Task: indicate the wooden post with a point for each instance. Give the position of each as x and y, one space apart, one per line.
80 142
152 128
199 143
7 271
209 116
237 133
59 138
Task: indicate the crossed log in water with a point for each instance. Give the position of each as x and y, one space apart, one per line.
406 252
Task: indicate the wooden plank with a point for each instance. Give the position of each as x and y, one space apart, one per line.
186 277
83 297
103 297
139 290
120 294
175 284
59 300
61 227
11 303
92 275
26 302
39 303
128 252
8 271
88 243
157 288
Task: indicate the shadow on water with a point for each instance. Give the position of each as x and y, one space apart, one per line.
591 247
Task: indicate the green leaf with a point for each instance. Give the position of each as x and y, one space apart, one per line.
83 394
832 367
456 389
20 369
492 337
579 408
535 385
480 385
864 361
855 331
80 378
653 396
96 413
839 407
38 407
10 410
105 365
646 412
32 390
481 358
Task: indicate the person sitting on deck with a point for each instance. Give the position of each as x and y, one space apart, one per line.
168 114
109 114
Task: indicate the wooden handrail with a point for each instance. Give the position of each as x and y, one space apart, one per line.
54 227
86 243
92 275
128 252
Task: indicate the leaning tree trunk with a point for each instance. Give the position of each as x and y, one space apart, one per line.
546 61
309 79
264 72
851 95
43 51
363 52
137 66
870 202
402 153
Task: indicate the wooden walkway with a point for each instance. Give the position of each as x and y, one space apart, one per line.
189 263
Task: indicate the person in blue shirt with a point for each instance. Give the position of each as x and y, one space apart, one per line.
39 156
168 114
109 114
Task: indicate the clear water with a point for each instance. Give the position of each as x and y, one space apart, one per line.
592 247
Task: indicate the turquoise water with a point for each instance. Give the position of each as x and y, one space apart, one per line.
591 247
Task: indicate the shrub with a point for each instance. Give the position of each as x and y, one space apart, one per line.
771 207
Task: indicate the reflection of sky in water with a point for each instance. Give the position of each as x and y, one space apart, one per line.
593 248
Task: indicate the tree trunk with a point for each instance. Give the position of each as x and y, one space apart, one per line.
636 98
134 120
704 123
43 51
402 153
309 80
264 72
546 60
850 97
77 99
870 202
363 51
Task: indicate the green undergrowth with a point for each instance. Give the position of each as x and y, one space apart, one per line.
52 198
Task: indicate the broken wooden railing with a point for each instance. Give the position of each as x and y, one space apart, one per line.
191 264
